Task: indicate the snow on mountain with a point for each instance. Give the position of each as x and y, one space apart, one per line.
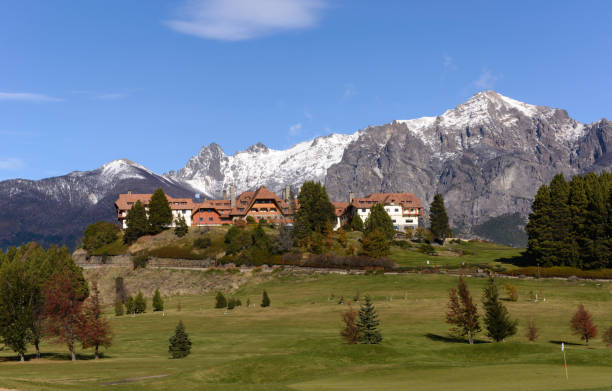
260 165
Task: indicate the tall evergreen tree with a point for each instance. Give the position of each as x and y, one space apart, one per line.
265 299
140 304
181 229
137 223
560 221
379 220
180 344
439 219
596 253
160 213
497 320
158 302
356 223
578 210
315 212
368 323
539 244
375 244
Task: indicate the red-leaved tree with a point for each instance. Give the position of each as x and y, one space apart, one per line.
350 332
93 330
582 324
63 302
462 312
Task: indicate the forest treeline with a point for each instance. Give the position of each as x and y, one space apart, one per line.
571 223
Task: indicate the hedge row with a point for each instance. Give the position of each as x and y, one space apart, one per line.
334 261
561 271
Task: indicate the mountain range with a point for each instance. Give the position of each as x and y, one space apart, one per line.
487 157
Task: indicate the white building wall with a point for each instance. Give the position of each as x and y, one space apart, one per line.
396 212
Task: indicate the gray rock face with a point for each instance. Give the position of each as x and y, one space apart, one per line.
488 156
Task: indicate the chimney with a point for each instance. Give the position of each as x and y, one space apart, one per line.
233 196
224 194
351 197
287 193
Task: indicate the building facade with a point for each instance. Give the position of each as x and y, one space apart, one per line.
405 209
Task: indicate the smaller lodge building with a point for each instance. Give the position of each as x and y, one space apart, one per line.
405 209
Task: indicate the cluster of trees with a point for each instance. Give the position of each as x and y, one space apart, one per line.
99 234
43 294
253 246
361 327
571 223
151 220
230 303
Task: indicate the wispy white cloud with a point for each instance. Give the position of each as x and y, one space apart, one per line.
448 66
28 97
349 91
111 96
295 129
97 95
11 164
486 80
238 20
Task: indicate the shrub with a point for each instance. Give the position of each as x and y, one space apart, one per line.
203 242
511 291
140 304
532 331
129 305
118 308
176 252
376 244
231 303
350 332
404 244
265 299
140 261
220 300
427 248
99 234
181 229
334 261
251 220
180 344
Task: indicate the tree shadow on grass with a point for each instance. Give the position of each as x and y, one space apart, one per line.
53 356
567 343
451 339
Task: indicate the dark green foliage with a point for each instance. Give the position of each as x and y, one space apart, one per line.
356 223
181 229
160 213
285 239
118 308
379 220
130 306
251 220
570 223
220 300
497 320
368 323
158 302
180 344
265 299
315 213
203 242
427 248
120 290
237 240
99 234
137 223
376 244
140 304
231 303
260 238
439 219
140 261
506 229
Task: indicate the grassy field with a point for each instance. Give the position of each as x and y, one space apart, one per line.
295 345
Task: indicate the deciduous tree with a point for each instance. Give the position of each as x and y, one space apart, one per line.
93 329
350 332
462 313
582 324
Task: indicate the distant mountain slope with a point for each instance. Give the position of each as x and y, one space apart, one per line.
487 157
56 210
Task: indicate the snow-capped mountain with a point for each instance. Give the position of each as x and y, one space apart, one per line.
212 170
487 156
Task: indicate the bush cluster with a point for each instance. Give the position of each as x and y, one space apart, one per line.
560 271
337 261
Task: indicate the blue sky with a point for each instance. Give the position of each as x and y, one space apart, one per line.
86 82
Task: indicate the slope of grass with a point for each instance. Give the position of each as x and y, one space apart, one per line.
295 345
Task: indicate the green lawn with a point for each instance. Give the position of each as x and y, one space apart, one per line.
295 345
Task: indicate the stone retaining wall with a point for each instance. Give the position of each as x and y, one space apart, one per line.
126 261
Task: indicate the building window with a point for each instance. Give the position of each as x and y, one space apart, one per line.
201 218
409 220
393 220
363 210
397 210
210 219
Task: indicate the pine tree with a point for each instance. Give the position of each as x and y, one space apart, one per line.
118 308
539 243
578 203
368 323
158 302
379 220
356 223
375 244
560 221
497 320
140 304
137 223
180 344
265 299
462 313
160 213
582 324
181 229
130 307
439 219
220 300
315 211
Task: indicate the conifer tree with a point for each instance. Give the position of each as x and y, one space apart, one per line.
462 313
220 300
140 304
118 308
379 220
130 307
375 244
265 299
181 229
158 302
578 202
560 221
439 219
315 211
160 213
582 324
356 223
180 344
368 323
538 228
497 320
137 223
